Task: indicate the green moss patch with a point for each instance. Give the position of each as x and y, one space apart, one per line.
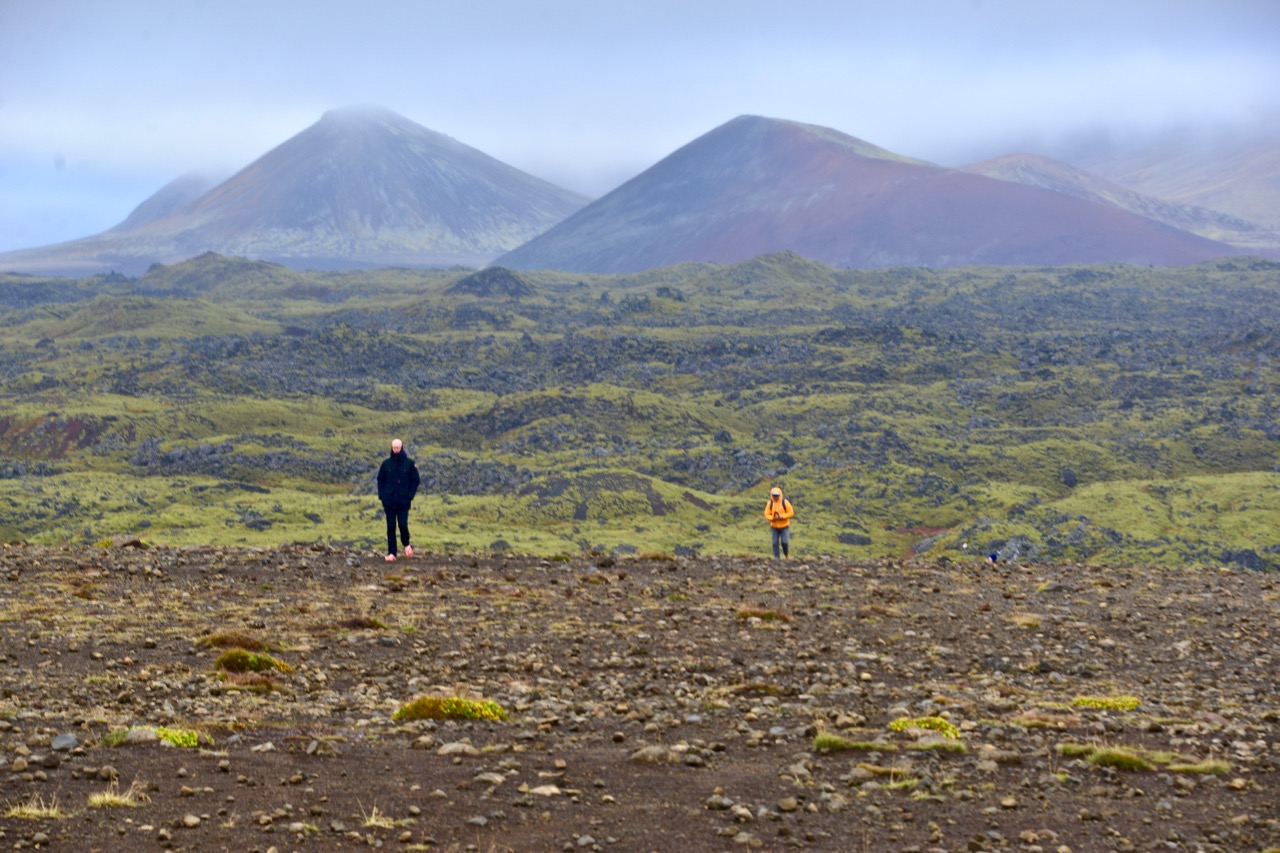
243 660
937 724
450 708
1108 703
832 742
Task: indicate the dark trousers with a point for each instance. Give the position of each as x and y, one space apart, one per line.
396 515
782 537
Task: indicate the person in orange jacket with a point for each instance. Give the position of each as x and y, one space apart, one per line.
779 511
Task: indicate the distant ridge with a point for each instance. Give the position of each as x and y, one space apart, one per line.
1235 170
757 185
172 196
361 187
1035 170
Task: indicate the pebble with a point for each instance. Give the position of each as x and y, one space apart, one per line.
655 755
64 743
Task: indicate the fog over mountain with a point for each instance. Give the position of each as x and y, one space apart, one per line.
1235 170
361 187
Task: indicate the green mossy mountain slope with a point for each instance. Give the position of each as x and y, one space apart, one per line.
1105 414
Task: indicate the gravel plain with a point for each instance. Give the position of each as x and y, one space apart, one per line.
655 703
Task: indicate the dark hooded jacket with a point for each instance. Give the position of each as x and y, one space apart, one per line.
397 480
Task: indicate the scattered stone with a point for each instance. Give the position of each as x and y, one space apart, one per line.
680 680
546 791
655 755
64 743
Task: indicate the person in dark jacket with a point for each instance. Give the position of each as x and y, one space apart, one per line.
397 485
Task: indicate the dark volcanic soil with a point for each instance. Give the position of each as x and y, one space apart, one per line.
655 704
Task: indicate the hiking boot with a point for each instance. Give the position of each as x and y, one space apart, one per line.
408 550
391 558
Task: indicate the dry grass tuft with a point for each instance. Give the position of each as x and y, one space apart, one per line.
112 798
37 809
1119 758
1209 767
1029 621
375 819
1076 750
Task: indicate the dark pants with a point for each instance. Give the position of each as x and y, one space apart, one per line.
781 537
396 515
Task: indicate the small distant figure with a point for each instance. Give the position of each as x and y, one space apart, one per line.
995 556
397 486
779 512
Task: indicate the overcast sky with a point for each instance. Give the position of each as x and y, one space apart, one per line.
102 102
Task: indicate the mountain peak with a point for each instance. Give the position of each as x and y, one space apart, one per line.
756 185
796 130
360 112
363 186
363 117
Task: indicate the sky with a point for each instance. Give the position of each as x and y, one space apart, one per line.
103 102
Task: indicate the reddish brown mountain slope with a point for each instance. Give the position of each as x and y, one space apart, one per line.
758 185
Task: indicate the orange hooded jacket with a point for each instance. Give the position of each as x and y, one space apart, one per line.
779 511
